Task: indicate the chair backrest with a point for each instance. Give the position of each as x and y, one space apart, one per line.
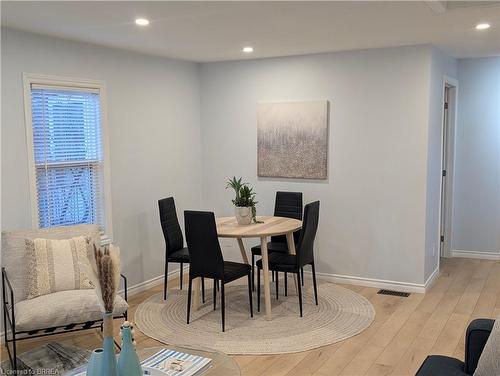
305 253
170 225
289 205
14 251
203 244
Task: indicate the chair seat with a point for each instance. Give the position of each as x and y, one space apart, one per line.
271 247
182 255
440 365
235 270
62 308
282 262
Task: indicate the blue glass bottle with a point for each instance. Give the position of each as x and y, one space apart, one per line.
128 361
95 363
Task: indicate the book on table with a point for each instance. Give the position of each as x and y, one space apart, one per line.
175 363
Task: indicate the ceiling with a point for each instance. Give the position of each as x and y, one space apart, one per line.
214 31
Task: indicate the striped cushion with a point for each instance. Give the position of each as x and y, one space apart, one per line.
54 265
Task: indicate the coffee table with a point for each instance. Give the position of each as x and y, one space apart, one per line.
221 365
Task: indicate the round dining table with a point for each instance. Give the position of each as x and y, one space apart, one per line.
266 226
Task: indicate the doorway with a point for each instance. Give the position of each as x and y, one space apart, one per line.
450 90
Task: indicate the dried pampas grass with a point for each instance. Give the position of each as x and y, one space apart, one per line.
103 269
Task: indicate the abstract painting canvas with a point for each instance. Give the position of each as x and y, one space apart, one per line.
292 139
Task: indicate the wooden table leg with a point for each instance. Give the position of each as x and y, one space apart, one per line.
292 251
265 267
242 250
196 293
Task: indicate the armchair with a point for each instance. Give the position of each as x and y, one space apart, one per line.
55 313
477 334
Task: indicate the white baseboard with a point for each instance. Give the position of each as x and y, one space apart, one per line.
377 283
485 255
150 283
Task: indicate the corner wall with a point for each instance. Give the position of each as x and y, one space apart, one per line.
154 136
476 216
441 65
373 205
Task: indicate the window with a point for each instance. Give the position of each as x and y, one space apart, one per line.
66 141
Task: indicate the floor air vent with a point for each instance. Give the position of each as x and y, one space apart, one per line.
394 293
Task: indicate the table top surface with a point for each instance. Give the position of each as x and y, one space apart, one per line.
221 365
228 227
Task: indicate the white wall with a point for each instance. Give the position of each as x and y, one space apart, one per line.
441 65
153 116
373 205
476 216
379 206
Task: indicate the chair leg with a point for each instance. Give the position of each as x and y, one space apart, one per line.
216 283
165 280
286 284
276 281
258 289
272 275
250 293
223 306
314 283
300 292
253 272
203 290
180 274
189 297
302 275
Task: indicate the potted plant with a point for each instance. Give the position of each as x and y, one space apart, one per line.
244 202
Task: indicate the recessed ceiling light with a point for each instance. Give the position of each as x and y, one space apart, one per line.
142 21
247 49
483 26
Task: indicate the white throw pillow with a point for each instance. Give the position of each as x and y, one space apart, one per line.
53 265
489 361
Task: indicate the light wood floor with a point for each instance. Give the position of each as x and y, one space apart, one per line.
404 332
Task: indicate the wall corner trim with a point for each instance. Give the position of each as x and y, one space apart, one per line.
432 279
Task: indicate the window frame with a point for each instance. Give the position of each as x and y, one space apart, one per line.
71 82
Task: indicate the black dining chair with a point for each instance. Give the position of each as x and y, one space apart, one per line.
289 205
284 262
174 242
206 258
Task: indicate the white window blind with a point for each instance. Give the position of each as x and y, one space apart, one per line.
67 142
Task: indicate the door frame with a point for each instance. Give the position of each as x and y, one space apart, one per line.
448 136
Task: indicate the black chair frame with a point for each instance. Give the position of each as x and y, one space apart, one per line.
300 283
207 260
222 297
285 205
303 257
173 241
9 321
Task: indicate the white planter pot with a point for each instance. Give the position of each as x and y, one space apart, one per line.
243 215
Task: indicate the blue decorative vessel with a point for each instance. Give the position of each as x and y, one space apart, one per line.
108 366
95 363
128 361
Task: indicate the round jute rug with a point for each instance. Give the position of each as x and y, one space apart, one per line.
341 314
